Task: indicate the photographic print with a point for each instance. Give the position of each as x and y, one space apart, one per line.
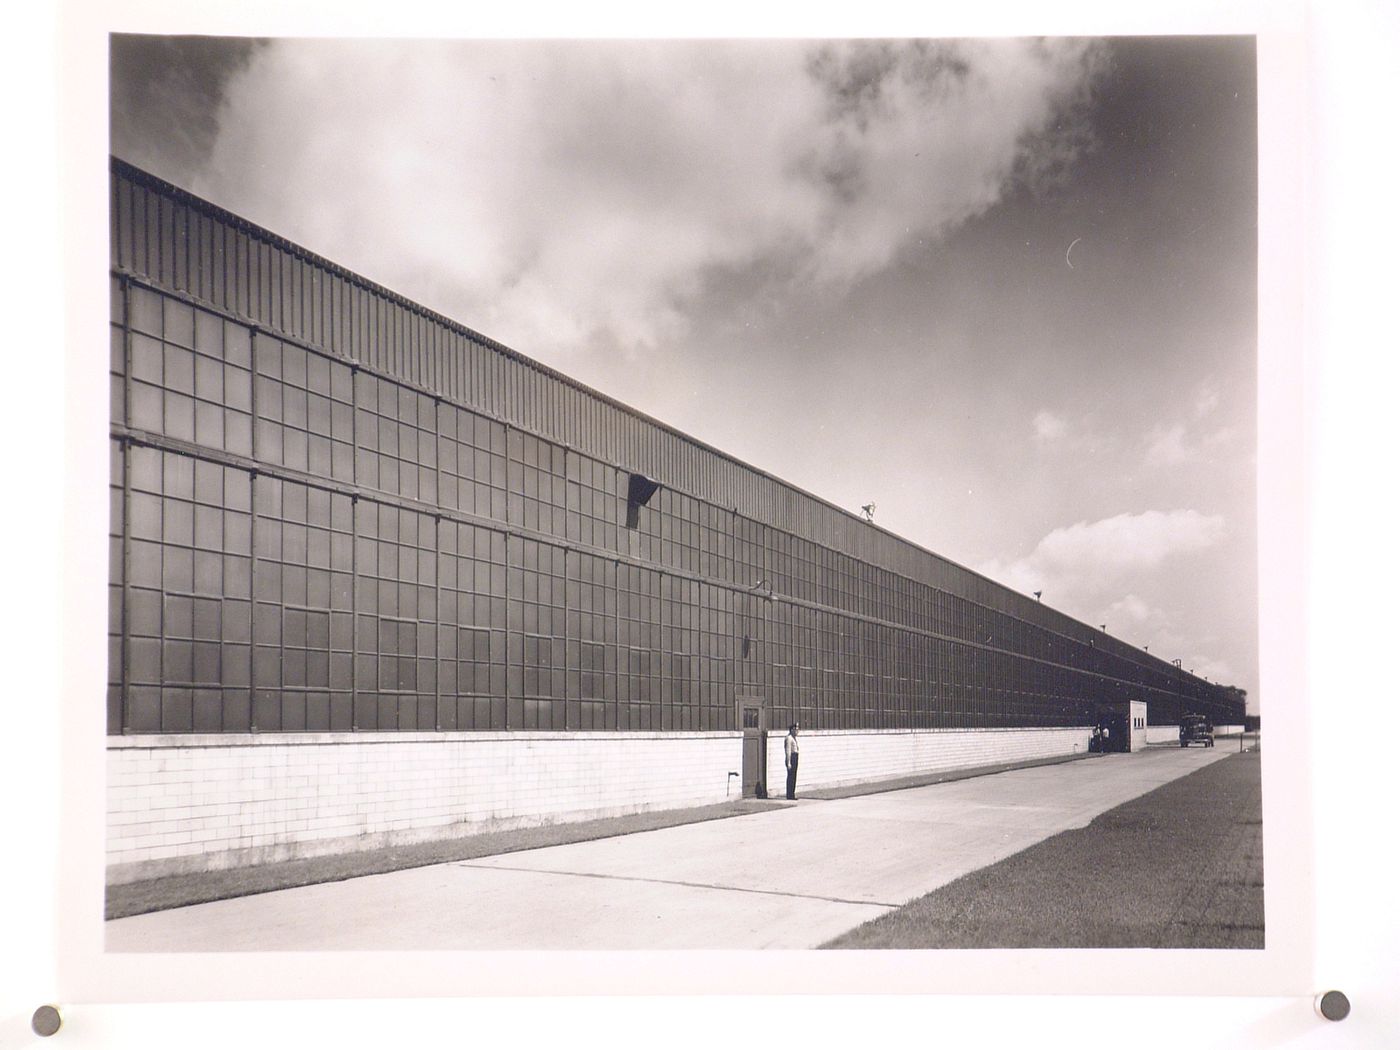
683 494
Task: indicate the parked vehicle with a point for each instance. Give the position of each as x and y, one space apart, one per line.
1196 729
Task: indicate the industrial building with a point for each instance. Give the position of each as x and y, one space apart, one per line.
377 578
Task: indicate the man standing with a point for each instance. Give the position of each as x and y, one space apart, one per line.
790 759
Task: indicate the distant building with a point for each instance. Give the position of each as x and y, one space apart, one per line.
377 578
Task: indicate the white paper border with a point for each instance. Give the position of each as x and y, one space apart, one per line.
1301 414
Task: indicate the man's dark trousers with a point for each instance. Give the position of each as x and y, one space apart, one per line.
792 778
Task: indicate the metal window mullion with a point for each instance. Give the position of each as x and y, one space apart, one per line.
617 646
126 582
253 536
505 454
507 592
354 613
253 601
564 632
437 620
437 452
253 342
126 513
735 643
354 547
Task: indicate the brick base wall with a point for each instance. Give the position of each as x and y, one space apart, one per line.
1172 734
180 804
833 758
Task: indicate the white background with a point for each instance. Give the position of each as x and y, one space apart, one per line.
1327 436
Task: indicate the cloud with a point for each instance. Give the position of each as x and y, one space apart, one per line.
1207 400
1175 445
1077 559
1072 433
1129 540
1148 625
1048 426
1215 670
1130 616
1132 609
553 193
1156 628
1167 447
1189 440
1132 572
162 91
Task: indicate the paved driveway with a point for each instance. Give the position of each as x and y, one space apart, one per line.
787 878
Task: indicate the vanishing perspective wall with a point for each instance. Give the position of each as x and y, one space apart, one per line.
335 512
185 803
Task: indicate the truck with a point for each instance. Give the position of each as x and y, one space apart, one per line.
1196 729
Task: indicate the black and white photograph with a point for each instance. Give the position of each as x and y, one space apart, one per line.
683 494
698 527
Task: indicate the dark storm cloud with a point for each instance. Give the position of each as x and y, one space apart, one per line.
165 96
601 187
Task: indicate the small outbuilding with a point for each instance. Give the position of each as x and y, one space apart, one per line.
1125 724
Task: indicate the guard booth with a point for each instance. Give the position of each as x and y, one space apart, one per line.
753 720
1137 725
1126 724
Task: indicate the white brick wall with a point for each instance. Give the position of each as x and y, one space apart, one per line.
182 803
198 803
1172 734
831 758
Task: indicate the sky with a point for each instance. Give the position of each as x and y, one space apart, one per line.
1003 289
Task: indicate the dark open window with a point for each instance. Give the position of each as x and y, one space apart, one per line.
640 489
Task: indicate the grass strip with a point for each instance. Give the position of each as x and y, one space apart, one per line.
1179 867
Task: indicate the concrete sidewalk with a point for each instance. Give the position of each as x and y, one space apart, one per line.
789 878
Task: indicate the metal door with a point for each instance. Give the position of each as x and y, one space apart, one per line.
753 719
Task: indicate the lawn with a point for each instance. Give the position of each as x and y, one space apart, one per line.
1179 867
